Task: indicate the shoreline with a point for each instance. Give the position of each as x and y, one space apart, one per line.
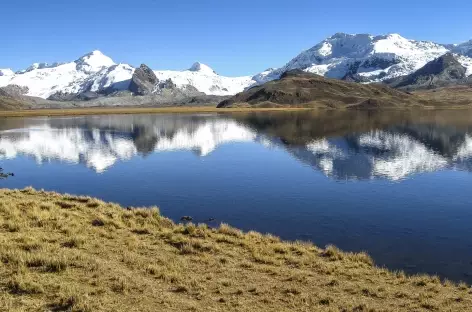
139 110
66 252
50 112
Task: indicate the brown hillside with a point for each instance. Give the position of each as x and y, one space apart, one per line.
298 88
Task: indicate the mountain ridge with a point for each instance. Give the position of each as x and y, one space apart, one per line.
367 57
355 57
443 71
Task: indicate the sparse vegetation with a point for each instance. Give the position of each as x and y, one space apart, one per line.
66 253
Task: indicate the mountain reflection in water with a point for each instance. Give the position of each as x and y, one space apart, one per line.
395 184
342 146
101 142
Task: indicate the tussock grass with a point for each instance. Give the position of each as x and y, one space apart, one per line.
66 253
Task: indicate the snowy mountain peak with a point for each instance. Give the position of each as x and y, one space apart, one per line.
96 72
463 48
94 61
366 58
6 72
341 35
200 67
35 66
359 57
394 36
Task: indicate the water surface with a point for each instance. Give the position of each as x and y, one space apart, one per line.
397 185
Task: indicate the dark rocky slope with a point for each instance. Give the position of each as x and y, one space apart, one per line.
144 81
443 71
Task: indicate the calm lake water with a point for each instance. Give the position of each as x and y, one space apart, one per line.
397 185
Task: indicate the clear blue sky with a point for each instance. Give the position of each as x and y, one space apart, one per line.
233 37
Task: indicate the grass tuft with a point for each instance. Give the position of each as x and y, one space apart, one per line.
66 253
21 285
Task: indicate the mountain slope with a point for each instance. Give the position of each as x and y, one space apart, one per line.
44 80
6 72
9 103
443 71
206 80
463 48
367 58
97 73
299 88
360 58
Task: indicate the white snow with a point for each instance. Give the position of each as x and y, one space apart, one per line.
43 80
206 80
94 61
116 77
6 72
374 57
96 71
261 77
199 67
466 62
101 150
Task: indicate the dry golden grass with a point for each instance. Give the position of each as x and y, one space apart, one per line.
66 253
135 110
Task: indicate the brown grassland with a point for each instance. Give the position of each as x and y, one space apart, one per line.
453 96
65 253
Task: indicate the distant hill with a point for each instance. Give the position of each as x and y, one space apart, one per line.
299 88
7 103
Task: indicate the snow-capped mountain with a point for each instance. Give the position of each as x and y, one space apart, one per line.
369 58
44 80
97 72
360 57
117 77
206 80
6 72
463 48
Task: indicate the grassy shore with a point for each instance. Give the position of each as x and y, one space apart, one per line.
67 253
137 110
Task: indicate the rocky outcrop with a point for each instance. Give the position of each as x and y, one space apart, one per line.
443 71
13 91
143 81
83 96
167 84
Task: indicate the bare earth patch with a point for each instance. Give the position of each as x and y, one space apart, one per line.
65 253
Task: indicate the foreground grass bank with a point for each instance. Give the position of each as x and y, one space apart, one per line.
66 253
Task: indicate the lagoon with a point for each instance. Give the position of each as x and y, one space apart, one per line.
394 184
